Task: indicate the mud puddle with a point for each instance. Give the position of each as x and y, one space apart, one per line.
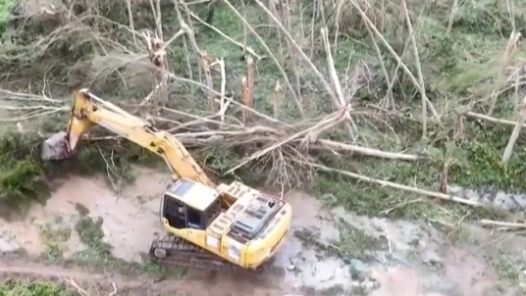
130 219
491 197
333 252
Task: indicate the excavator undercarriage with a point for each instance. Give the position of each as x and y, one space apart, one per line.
176 251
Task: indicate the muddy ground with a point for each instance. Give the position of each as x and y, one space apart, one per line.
91 234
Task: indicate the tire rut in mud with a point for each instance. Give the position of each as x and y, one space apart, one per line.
131 285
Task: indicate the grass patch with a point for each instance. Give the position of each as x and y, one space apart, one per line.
38 288
357 244
354 243
91 234
81 209
6 8
21 175
25 178
509 267
98 256
54 236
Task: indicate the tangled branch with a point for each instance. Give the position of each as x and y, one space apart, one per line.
136 62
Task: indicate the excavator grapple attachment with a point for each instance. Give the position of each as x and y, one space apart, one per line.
55 147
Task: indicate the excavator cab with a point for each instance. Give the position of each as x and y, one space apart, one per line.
188 204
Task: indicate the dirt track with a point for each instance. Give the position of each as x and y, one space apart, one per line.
133 285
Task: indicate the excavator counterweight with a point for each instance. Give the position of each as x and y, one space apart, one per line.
220 227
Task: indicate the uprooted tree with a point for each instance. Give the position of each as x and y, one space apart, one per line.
403 95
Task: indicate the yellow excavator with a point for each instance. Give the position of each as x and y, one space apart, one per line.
208 226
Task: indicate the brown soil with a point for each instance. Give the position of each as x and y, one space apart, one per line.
142 285
419 260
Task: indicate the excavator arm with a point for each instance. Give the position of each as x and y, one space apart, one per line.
89 110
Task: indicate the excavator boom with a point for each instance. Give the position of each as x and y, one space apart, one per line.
86 114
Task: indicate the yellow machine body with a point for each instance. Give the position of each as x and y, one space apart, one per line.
247 234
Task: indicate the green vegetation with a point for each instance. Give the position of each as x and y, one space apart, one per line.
462 59
509 267
353 243
90 232
54 235
21 174
464 68
6 9
24 177
39 288
357 244
97 254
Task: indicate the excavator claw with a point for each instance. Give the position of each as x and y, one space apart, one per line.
56 147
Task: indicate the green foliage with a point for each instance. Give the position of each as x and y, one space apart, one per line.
489 17
6 10
455 65
39 288
90 231
483 167
509 266
476 165
21 173
461 68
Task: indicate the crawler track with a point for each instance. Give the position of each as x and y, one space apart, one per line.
178 252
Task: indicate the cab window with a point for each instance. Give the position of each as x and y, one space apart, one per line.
195 218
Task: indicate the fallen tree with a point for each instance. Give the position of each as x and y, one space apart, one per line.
283 110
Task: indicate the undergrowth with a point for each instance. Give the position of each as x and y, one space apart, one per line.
98 253
6 10
25 178
37 288
21 174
